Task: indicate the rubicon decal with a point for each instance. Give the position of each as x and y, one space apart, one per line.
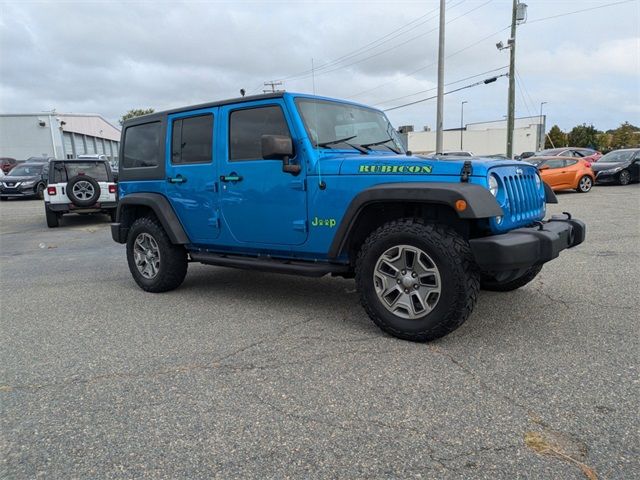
413 169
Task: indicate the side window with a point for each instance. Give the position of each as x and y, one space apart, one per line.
568 163
142 145
246 128
192 140
59 173
555 163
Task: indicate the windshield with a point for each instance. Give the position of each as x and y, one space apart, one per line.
535 161
336 125
550 152
26 170
617 157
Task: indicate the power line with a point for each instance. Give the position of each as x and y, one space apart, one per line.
395 46
579 11
446 85
482 82
477 42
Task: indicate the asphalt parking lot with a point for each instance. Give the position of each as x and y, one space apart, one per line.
254 375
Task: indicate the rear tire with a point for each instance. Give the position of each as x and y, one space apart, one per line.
53 218
443 265
113 215
584 184
488 283
624 177
156 264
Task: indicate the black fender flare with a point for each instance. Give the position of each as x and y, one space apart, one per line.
480 203
162 209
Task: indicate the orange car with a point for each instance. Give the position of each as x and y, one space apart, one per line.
564 173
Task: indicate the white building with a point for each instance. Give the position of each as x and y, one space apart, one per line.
59 135
485 138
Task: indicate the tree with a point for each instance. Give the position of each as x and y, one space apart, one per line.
555 138
625 136
603 142
583 136
135 112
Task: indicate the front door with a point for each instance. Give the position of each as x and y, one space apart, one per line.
191 173
260 203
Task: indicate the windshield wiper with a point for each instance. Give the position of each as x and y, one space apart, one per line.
381 142
346 142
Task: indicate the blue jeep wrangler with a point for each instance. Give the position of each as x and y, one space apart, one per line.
306 185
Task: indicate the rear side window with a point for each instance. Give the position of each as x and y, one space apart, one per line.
192 140
568 163
246 128
142 145
555 163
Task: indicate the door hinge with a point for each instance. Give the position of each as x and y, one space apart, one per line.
214 221
211 186
300 225
300 184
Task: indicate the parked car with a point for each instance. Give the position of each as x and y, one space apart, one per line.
312 186
26 180
7 164
619 166
79 186
564 173
588 154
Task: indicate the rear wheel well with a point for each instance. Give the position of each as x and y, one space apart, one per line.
375 215
129 213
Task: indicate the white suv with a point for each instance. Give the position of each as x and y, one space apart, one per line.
79 186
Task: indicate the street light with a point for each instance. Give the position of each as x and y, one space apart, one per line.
462 121
542 127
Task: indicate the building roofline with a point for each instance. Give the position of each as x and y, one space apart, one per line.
60 114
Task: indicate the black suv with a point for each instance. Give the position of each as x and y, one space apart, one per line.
25 180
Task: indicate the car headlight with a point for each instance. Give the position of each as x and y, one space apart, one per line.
493 185
538 181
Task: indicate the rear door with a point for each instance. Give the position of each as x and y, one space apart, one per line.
553 175
191 173
260 203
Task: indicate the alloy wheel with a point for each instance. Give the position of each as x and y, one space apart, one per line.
83 190
146 254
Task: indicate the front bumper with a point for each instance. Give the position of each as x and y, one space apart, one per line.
524 247
606 177
17 192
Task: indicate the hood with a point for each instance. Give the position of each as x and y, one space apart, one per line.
598 166
22 178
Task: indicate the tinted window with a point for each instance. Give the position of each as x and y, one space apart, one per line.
95 170
26 170
568 163
555 163
192 139
142 145
246 128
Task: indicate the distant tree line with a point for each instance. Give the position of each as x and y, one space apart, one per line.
135 112
625 136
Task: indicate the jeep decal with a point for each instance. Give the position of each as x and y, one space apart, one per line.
323 222
364 168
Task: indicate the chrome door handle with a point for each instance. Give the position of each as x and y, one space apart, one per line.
177 179
233 177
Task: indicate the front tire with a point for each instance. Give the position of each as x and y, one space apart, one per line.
156 264
624 177
584 184
40 192
489 283
417 281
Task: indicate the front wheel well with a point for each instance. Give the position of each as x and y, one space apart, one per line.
128 214
374 215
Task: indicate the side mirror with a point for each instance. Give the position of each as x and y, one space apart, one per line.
279 147
543 167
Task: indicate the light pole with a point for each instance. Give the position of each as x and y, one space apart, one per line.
542 127
462 121
440 101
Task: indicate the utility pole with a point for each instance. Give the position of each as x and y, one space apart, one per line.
273 86
512 82
440 107
542 127
462 121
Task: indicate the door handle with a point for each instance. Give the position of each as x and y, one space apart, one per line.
177 179
232 177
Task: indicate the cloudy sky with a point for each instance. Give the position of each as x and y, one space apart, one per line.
107 56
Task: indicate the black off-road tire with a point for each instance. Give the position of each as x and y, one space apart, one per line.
53 218
624 177
488 283
173 258
80 202
113 215
460 278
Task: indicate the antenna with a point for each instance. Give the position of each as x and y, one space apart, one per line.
321 184
273 86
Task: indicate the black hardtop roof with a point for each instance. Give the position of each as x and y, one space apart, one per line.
158 115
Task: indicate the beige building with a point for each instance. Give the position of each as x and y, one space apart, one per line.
59 135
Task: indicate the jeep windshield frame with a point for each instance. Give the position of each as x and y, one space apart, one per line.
327 121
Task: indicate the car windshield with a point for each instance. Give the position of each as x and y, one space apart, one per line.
535 161
96 170
549 152
617 157
26 170
337 125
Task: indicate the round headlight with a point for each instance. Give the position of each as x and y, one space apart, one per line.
499 220
493 185
538 181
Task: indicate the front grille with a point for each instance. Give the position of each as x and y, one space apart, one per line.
523 199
